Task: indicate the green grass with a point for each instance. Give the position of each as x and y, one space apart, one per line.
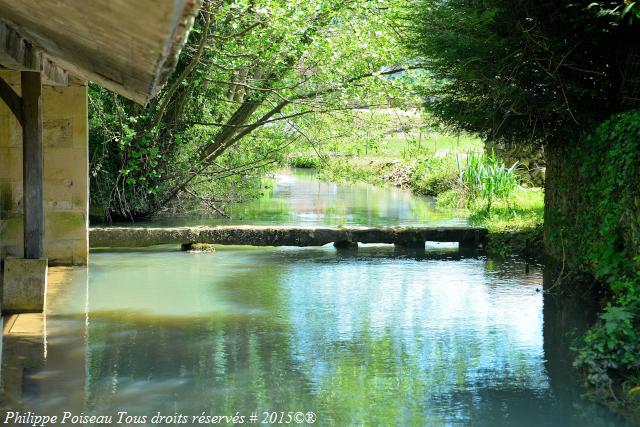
383 135
425 143
341 170
514 223
432 176
523 209
304 161
387 148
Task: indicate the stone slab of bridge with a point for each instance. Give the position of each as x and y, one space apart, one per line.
342 237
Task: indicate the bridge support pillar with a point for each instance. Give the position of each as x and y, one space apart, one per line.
473 242
25 285
468 245
410 248
345 245
410 244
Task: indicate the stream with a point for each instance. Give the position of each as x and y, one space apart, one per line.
376 337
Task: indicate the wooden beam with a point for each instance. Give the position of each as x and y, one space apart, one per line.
52 73
17 53
33 164
11 98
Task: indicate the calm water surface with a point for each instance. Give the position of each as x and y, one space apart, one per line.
298 198
374 337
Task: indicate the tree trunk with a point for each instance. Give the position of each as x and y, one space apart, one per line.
562 199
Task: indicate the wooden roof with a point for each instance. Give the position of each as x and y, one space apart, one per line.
128 46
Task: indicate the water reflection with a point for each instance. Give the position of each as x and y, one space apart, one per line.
368 338
299 199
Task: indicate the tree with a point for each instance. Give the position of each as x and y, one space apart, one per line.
249 68
520 72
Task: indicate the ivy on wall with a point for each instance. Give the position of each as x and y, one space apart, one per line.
606 227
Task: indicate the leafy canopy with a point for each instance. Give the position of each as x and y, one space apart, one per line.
520 71
251 71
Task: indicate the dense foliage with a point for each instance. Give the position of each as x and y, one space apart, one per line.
520 71
250 73
608 229
619 10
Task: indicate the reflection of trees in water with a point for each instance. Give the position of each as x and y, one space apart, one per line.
374 335
319 340
566 318
194 363
376 341
301 198
202 365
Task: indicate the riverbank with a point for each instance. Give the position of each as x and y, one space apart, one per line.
515 226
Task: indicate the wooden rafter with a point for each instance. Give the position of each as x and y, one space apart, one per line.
11 98
126 46
17 53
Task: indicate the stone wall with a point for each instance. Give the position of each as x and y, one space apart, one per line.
65 139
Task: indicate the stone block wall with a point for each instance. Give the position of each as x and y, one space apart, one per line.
66 187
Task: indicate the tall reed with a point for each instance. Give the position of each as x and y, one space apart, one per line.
486 177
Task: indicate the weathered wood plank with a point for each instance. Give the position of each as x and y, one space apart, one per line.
281 236
127 46
33 164
17 53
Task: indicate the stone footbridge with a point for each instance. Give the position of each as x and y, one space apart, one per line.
467 237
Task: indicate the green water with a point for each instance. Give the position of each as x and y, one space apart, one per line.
375 337
297 198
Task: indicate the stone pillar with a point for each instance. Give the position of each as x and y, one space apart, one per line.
55 176
24 285
66 177
410 244
345 245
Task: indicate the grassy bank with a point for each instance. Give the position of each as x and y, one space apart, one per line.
515 227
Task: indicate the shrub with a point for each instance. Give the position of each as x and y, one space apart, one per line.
432 176
607 226
304 162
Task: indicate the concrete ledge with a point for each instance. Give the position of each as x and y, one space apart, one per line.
280 236
24 285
